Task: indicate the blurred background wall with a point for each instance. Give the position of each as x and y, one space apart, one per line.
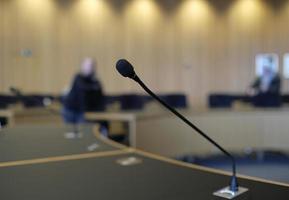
190 46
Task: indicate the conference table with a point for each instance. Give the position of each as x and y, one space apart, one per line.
40 162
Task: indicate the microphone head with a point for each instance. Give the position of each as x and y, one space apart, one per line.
125 68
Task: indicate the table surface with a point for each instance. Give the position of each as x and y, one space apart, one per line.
98 175
31 142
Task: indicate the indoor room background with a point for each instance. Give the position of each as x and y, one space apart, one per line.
191 46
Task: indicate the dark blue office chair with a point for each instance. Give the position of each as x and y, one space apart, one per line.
132 102
220 101
175 100
6 100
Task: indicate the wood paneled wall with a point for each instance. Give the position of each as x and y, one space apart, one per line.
191 46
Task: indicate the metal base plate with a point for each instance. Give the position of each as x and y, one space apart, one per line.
228 194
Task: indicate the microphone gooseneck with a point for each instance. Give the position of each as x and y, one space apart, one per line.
126 70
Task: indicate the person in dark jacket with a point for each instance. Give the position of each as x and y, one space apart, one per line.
74 102
265 90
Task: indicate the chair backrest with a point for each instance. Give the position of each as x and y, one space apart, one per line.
6 100
95 101
220 101
132 101
34 100
175 100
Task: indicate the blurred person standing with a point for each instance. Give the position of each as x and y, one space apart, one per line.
74 102
265 90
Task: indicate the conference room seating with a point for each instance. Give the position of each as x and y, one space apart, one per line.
226 100
128 102
35 100
176 100
6 100
131 102
267 101
111 99
30 100
95 101
220 100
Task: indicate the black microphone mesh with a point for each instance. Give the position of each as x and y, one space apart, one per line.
125 68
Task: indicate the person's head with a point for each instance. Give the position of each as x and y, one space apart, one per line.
88 67
267 71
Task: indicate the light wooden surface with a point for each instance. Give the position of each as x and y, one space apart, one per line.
111 116
235 130
164 134
190 46
19 115
64 158
37 116
202 168
129 118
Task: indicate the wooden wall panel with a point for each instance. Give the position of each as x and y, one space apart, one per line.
192 46
1 45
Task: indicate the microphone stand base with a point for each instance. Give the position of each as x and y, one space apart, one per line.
228 194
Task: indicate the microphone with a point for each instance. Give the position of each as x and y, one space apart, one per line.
126 69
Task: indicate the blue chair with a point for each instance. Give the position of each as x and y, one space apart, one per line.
220 101
175 100
132 102
6 100
33 100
